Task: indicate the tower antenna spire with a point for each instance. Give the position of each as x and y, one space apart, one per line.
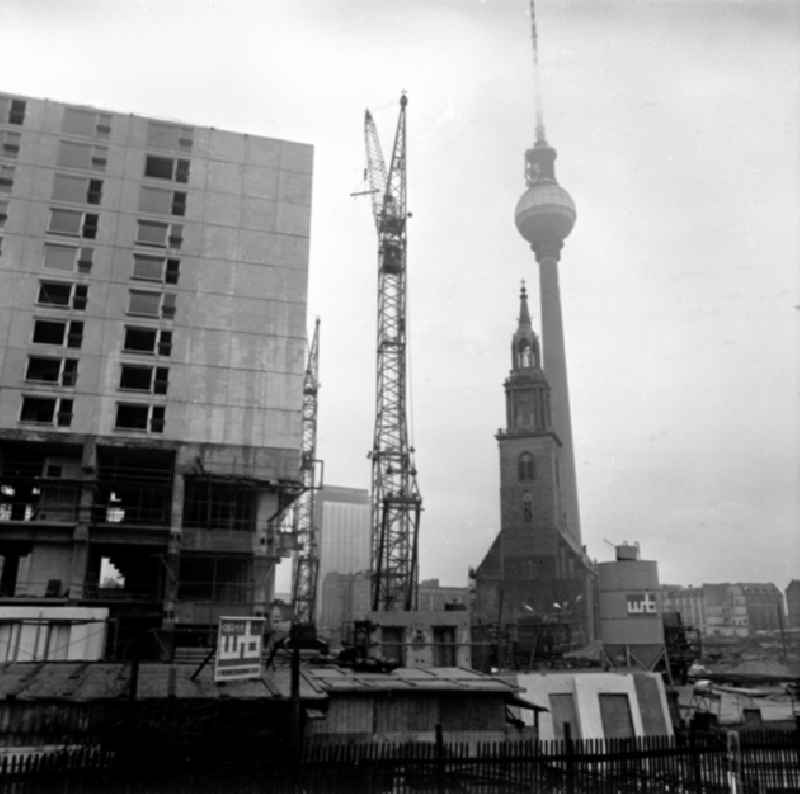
537 82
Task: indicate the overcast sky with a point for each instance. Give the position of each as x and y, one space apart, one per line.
676 125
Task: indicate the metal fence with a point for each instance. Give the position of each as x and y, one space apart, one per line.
750 763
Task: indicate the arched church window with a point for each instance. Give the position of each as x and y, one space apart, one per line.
526 469
525 355
527 507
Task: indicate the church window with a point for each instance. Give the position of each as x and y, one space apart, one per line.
527 507
526 469
525 355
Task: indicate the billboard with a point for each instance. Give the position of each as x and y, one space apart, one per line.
239 646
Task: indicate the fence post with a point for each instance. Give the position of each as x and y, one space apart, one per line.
439 759
734 759
569 752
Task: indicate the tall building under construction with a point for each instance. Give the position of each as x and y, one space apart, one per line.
152 331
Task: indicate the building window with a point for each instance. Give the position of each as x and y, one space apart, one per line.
38 409
74 223
10 143
169 136
85 260
146 304
139 340
76 189
55 293
16 112
166 168
64 412
9 641
69 372
165 343
6 178
82 155
152 233
42 368
182 171
60 257
526 466
153 199
615 714
168 305
148 268
48 332
3 213
131 417
75 335
90 123
161 380
179 203
135 378
172 272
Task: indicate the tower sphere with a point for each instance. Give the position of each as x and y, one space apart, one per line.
545 214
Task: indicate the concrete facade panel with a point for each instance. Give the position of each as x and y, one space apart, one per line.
221 209
297 157
261 182
224 177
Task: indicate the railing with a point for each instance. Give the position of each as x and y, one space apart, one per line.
760 762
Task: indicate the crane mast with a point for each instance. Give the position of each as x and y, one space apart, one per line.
395 499
306 563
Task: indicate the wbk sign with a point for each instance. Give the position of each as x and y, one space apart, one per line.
239 644
641 604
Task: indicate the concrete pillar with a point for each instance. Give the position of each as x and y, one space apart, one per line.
173 564
555 368
80 535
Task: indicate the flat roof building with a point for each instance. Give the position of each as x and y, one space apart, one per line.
152 331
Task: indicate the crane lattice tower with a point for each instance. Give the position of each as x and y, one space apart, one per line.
396 502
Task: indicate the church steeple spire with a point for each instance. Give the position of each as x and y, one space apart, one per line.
525 344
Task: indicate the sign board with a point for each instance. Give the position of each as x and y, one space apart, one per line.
239 646
641 604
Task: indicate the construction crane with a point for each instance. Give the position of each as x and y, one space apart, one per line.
306 562
396 502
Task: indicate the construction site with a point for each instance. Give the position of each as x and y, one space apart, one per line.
160 464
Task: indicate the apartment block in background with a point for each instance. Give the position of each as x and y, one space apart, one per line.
152 331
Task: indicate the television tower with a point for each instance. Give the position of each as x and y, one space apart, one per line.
544 216
396 502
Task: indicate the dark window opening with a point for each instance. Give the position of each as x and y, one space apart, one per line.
179 203
172 271
80 297
165 343
131 417
16 113
139 340
69 375
38 409
182 171
46 332
95 192
75 336
54 293
157 419
176 236
64 412
46 369
526 466
136 378
161 380
90 226
158 167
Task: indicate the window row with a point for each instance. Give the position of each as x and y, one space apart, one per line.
151 304
52 370
147 341
89 123
139 416
82 155
58 411
12 111
68 257
58 332
63 294
166 168
162 202
10 143
46 410
77 189
74 223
